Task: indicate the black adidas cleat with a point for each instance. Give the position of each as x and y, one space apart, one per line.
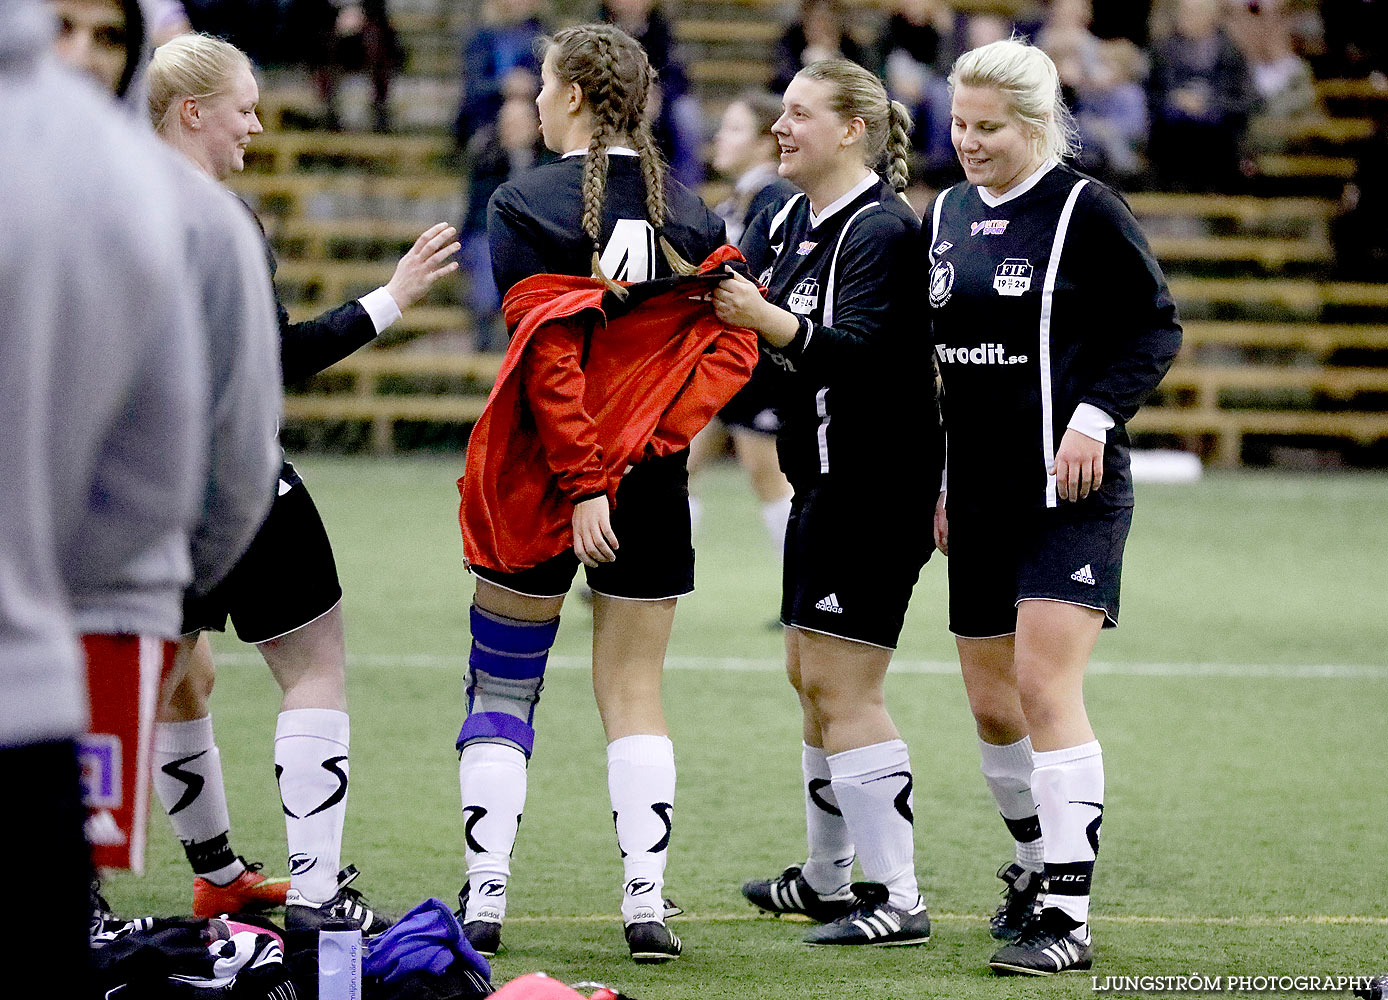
1048 945
1021 895
302 915
875 921
484 935
652 942
788 892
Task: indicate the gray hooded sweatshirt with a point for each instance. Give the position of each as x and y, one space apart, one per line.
237 306
103 379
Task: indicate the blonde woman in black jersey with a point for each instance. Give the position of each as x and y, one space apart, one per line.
1051 323
838 262
605 208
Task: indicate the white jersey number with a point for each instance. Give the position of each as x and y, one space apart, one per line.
630 253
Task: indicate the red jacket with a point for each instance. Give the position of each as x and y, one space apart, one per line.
560 427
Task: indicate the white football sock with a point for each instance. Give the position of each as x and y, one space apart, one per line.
641 783
1069 787
492 779
873 785
311 763
829 866
1007 769
188 781
775 515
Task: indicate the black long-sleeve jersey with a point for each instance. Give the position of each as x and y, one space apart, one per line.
860 405
533 224
316 344
1042 300
309 347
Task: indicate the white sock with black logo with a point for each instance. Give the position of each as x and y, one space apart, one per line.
311 764
829 866
188 781
492 779
641 783
775 515
1069 787
873 785
1007 769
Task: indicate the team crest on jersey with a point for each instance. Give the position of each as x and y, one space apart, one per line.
1013 276
942 247
941 283
804 298
988 227
805 247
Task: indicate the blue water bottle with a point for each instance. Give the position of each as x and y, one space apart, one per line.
339 961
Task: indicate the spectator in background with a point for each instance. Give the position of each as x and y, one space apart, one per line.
1123 19
1359 231
1283 80
1356 39
495 153
1100 81
498 59
324 36
915 49
818 33
677 121
1200 96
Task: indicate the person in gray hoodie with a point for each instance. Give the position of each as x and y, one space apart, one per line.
101 359
105 39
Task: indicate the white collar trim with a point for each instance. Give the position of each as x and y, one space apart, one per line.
857 189
611 151
993 201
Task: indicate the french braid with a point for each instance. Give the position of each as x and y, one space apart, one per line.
615 76
899 148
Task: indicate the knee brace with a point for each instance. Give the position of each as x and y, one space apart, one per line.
506 670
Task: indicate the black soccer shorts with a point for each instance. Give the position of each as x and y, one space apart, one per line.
851 561
286 579
753 407
655 554
997 559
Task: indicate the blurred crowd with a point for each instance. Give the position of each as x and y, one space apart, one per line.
1150 82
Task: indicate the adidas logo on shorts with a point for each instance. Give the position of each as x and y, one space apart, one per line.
830 603
1083 575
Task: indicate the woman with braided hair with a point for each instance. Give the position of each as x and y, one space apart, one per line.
840 267
601 209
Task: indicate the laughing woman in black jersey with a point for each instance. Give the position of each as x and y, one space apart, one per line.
838 262
1052 322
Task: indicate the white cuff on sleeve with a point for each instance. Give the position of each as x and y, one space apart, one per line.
1091 421
380 306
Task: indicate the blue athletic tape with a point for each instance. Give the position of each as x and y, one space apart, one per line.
512 667
497 725
508 635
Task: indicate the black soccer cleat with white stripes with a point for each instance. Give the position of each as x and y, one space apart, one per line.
1049 944
789 893
1021 892
302 915
484 935
875 921
652 942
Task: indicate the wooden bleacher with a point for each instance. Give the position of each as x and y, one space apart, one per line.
1274 348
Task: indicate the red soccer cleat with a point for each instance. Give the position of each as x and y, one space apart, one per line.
249 892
